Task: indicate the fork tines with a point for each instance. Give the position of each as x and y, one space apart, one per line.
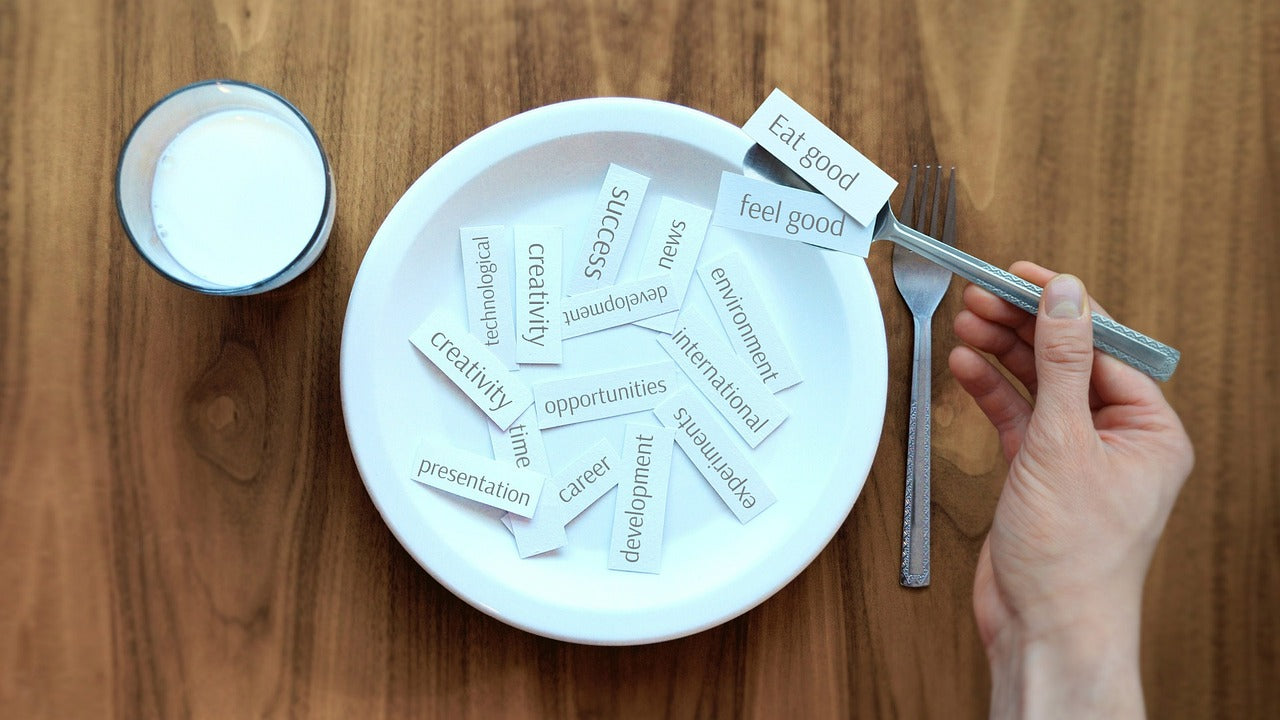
918 218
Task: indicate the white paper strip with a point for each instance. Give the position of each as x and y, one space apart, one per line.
521 445
476 371
616 305
713 451
538 534
583 481
538 270
601 395
724 379
674 243
477 478
767 208
639 514
486 271
609 227
745 317
820 156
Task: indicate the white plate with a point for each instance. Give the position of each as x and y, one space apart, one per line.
545 167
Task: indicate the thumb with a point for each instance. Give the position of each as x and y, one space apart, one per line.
1064 349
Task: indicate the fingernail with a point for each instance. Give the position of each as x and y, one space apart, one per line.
1064 297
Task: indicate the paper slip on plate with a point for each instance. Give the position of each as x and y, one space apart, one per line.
544 167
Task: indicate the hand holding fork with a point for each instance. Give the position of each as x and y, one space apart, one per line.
1144 353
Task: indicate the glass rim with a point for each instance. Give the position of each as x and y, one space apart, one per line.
218 289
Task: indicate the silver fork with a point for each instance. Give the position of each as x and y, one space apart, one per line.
922 284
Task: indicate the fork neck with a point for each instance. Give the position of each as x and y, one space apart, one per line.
922 355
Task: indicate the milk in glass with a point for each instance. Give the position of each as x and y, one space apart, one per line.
237 195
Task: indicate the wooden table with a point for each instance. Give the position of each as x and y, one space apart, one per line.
182 528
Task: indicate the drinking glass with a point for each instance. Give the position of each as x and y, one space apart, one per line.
142 154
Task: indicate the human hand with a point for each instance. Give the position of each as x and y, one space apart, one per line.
1094 468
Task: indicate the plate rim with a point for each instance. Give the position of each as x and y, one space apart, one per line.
497 142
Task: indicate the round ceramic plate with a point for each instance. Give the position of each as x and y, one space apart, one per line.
545 167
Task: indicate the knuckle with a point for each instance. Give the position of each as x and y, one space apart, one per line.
1070 350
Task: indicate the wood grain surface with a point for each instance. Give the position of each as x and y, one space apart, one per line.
182 529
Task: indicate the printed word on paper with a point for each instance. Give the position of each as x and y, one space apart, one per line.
476 371
601 395
639 515
521 446
609 227
477 478
724 379
714 453
746 319
820 156
678 232
584 480
486 270
766 208
617 305
538 269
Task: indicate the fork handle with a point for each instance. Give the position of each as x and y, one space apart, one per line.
1144 353
915 500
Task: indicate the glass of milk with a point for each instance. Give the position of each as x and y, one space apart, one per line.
223 188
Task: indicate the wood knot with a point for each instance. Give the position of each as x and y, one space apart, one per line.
246 21
944 414
962 434
225 413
